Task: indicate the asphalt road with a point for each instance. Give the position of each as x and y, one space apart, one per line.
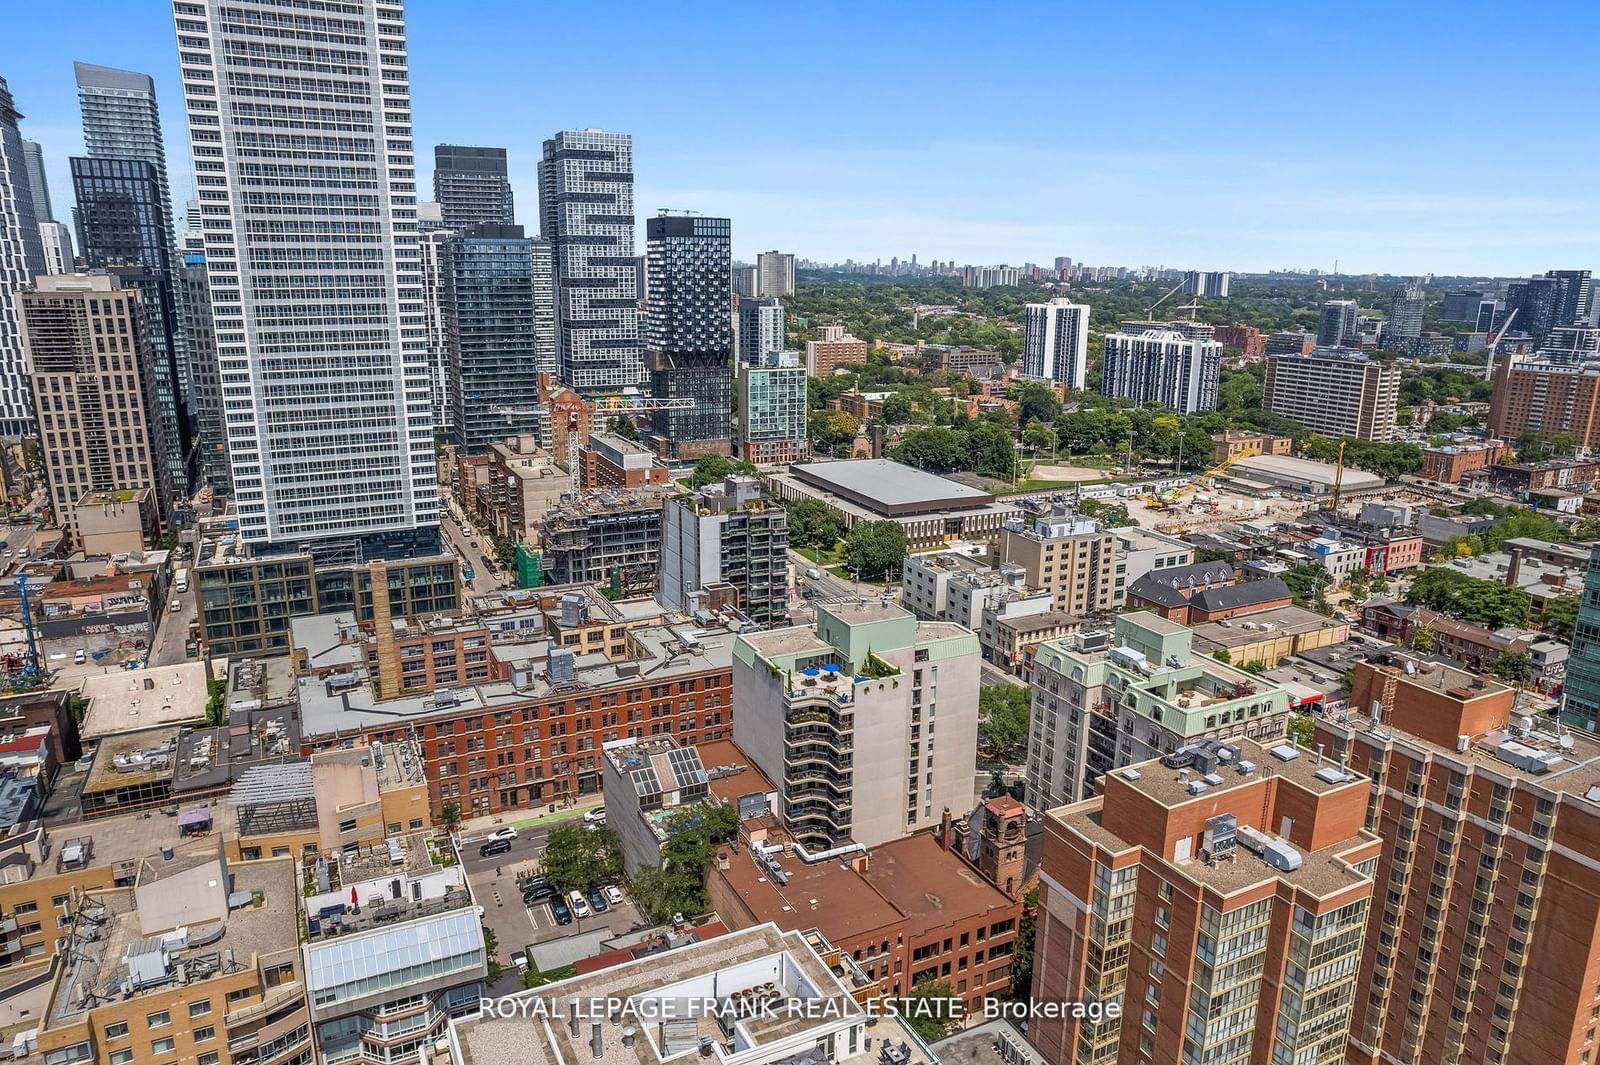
172 630
529 845
991 674
460 541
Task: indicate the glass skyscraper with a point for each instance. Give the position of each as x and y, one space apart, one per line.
21 260
688 332
491 335
471 186
586 213
1581 688
311 254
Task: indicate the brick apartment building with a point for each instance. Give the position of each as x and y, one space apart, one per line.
612 461
1452 462
1222 903
1246 338
1481 945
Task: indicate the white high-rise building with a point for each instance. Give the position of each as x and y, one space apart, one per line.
56 240
21 260
1055 344
1163 363
586 213
311 251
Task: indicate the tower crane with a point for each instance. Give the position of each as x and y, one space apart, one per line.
1338 475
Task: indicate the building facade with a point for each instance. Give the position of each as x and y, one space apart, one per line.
491 335
1163 366
1339 393
21 260
772 410
1074 558
1545 397
726 535
333 444
841 716
1055 342
205 377
586 212
92 369
1337 325
761 328
688 333
471 186
775 274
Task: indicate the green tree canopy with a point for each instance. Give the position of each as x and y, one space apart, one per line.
812 523
1003 711
712 469
875 549
1452 592
579 858
678 886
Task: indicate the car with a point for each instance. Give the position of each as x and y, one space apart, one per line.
560 911
538 894
177 605
614 893
520 960
597 816
78 657
493 847
580 905
508 834
597 900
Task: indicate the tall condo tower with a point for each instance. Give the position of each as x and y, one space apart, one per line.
312 259
586 213
21 260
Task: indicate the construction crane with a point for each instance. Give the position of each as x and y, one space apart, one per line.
1152 310
1169 500
32 672
1494 341
1338 476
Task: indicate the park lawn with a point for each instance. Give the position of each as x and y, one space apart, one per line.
831 557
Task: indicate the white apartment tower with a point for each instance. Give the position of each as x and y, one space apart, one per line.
21 260
311 250
1055 344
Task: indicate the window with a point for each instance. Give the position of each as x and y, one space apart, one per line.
208 1058
201 1008
206 1034
158 1020
121 1057
117 1031
161 1046
347 826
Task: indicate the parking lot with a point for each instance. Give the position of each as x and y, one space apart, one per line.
495 884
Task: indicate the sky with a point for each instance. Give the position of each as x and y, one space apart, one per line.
1408 138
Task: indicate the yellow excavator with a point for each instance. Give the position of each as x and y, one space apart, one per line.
1171 500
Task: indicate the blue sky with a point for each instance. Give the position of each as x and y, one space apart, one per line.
1450 137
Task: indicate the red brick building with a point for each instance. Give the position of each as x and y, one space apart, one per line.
1451 463
1222 905
1483 943
611 461
1247 338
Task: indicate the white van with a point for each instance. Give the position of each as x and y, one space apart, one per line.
579 904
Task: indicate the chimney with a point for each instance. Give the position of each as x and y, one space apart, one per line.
1514 568
388 685
947 830
595 1046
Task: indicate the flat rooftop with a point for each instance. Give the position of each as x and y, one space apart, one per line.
928 884
1253 628
829 896
729 786
889 488
1274 467
133 700
36 850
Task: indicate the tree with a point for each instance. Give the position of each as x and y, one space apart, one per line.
1560 614
1039 436
936 448
928 1009
450 815
578 859
1022 949
1036 402
1003 717
992 450
623 426
875 548
1513 667
1422 641
812 523
678 886
1302 728
897 409
1309 585
829 430
1222 654
712 469
1452 592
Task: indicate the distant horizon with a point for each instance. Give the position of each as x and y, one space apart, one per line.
1308 140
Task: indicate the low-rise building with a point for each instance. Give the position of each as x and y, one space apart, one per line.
1142 551
1150 693
524 482
933 510
1010 641
1521 480
824 356
605 537
1269 636
611 461
1238 443
1451 462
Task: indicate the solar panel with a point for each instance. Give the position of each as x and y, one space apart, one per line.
686 767
645 781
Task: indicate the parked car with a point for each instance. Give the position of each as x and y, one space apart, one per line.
541 893
597 816
614 893
493 847
520 960
559 910
580 906
78 657
597 900
508 834
176 606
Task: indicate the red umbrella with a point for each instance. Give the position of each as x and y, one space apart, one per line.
352 897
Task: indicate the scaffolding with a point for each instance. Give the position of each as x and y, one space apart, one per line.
274 799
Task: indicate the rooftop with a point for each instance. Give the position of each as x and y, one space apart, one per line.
929 884
122 702
732 773
1279 621
888 487
1320 473
35 850
830 896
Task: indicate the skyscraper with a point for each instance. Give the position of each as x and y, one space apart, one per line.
1340 393
121 119
1055 345
1405 315
761 328
205 379
1536 301
106 437
772 409
1573 296
123 223
688 335
1337 326
546 357
471 186
33 160
586 212
775 274
311 246
487 293
21 260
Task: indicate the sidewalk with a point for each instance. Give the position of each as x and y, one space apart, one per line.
520 819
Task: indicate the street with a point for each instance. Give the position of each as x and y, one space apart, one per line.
172 630
992 674
459 541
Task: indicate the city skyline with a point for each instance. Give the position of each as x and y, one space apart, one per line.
854 157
